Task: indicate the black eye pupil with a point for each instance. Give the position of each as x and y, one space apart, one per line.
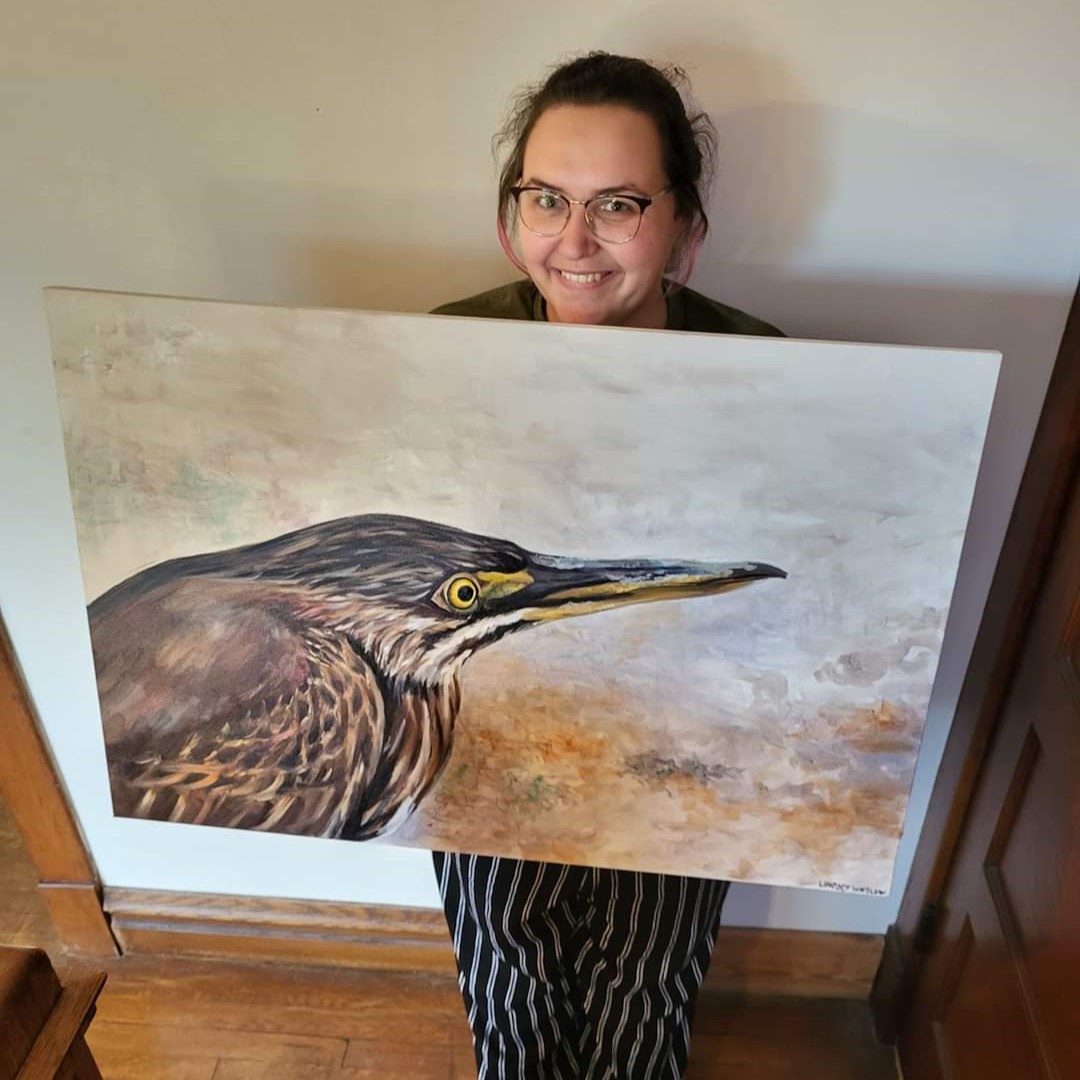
466 593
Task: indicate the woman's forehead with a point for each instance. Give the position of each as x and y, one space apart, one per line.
595 147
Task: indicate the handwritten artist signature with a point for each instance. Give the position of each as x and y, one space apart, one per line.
862 890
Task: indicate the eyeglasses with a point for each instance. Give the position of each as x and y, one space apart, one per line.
615 219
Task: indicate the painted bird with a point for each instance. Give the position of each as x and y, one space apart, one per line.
309 684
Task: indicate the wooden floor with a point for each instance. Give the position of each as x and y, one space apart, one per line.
161 1019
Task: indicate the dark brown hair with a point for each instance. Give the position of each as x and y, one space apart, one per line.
687 136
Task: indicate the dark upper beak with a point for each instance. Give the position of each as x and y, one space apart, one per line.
563 587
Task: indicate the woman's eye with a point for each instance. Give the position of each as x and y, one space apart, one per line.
615 205
546 200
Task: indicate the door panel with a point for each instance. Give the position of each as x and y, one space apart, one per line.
999 995
971 1034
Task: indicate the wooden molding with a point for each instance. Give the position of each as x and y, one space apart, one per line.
282 931
1032 529
30 785
415 939
76 913
803 963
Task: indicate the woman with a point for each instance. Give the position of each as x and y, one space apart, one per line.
573 972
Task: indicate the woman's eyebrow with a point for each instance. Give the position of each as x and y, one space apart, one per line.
609 189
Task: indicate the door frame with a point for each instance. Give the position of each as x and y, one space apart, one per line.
1033 526
30 784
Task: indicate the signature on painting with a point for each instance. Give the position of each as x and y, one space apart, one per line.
862 890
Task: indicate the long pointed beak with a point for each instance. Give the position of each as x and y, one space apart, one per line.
561 588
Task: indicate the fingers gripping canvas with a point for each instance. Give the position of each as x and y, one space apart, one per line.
622 598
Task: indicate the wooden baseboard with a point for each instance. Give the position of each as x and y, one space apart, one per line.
283 931
416 939
799 963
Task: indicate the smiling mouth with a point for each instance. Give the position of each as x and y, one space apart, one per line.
593 278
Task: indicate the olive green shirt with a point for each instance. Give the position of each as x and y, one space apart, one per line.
686 310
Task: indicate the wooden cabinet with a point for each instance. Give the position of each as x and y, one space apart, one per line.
43 1019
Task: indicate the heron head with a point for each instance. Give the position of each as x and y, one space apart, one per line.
420 598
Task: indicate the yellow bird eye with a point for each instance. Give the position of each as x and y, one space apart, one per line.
462 593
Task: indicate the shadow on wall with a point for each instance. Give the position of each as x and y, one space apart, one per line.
843 225
771 179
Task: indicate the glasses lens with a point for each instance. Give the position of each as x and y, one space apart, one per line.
614 218
543 212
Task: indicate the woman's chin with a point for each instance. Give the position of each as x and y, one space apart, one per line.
582 311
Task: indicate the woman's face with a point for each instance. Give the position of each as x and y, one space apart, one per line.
581 151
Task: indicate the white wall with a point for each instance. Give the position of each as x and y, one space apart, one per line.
900 173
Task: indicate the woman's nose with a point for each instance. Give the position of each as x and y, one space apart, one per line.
577 238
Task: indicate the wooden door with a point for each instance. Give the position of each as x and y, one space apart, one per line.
998 995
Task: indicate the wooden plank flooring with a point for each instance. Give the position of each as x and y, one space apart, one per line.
162 1019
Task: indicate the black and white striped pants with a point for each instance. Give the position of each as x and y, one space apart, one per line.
572 973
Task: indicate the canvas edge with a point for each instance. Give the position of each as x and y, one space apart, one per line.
52 292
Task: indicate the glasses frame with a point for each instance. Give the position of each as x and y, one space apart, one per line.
643 202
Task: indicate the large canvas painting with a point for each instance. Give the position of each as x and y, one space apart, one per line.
621 598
